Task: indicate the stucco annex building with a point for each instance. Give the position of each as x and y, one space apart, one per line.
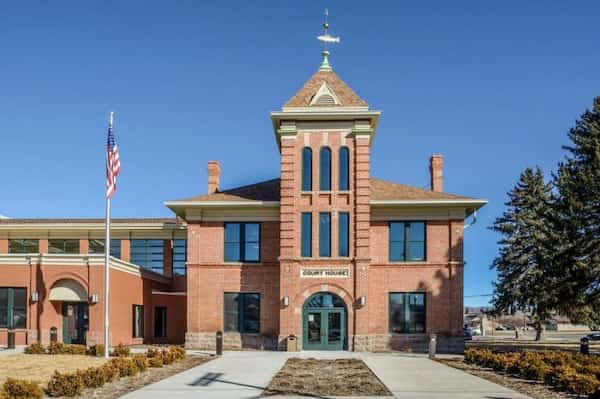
324 252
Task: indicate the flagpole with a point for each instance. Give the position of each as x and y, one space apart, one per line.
107 264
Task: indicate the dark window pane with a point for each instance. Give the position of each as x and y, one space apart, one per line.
407 313
232 232
24 246
57 246
96 246
231 308
242 242
325 300
397 232
416 251
19 297
3 316
251 252
306 169
3 297
306 233
344 234
416 231
179 257
138 321
344 169
115 248
325 234
251 313
19 318
148 254
325 169
232 252
160 322
396 251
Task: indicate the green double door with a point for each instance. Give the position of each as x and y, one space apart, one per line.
75 322
324 329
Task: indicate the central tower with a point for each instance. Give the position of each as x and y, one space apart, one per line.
324 133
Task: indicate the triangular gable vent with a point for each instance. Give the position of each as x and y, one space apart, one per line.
324 97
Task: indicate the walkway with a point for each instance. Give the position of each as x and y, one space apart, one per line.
243 375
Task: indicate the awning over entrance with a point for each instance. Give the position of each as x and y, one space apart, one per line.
68 291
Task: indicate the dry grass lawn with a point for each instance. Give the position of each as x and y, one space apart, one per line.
40 368
316 377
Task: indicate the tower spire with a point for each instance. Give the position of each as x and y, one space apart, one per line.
326 38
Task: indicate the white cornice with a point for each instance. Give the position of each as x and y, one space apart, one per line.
91 226
431 202
222 203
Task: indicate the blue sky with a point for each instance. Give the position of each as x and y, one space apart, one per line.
494 86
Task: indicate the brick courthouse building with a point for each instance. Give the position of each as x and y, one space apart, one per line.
325 252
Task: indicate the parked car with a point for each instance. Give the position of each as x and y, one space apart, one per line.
474 330
467 334
593 336
501 328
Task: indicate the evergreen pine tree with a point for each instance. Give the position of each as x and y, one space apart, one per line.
578 209
524 257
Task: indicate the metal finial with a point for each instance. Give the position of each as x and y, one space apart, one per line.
326 38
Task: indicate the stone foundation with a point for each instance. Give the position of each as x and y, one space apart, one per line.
418 343
231 341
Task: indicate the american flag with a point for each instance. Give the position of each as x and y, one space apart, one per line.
113 164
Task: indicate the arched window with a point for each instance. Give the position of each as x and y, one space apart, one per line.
344 169
325 169
306 169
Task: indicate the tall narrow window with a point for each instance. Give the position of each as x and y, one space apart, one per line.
179 257
325 234
344 234
325 169
344 169
306 169
138 321
306 233
160 321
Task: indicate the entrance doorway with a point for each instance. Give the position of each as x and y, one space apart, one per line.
75 322
324 323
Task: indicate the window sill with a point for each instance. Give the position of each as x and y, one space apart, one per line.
408 262
242 263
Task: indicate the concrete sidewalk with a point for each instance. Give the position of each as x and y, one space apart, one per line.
243 375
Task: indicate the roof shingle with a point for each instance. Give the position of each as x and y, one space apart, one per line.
269 191
345 94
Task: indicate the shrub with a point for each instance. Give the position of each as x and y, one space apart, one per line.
96 350
56 348
167 356
125 365
67 384
153 353
141 362
75 349
109 371
92 377
178 352
21 389
155 361
583 384
35 349
121 351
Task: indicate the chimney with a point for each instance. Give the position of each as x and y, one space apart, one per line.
436 170
214 175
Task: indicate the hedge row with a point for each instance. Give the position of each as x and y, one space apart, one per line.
566 371
58 348
73 384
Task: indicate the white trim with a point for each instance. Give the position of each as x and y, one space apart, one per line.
433 202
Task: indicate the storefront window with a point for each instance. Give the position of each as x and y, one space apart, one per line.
13 307
241 312
407 312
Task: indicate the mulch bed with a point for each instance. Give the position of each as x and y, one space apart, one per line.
535 389
152 375
339 377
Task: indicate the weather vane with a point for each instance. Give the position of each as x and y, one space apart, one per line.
326 38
